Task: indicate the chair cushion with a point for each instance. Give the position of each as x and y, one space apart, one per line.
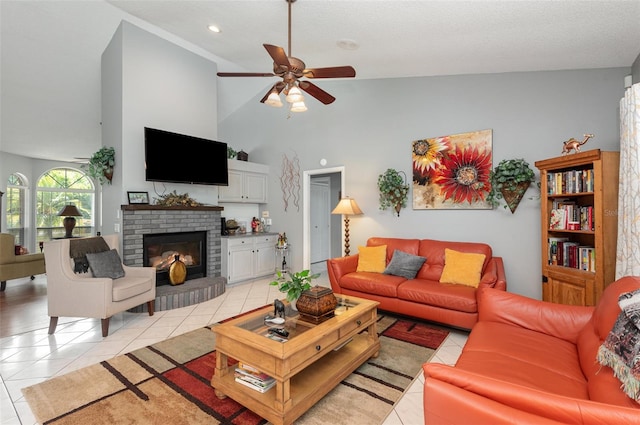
128 287
462 268
405 265
106 264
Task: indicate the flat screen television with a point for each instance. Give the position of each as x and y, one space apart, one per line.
178 158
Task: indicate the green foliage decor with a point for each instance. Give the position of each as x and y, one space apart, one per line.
101 164
231 153
298 283
512 175
394 189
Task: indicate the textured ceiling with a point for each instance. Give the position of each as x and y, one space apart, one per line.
50 58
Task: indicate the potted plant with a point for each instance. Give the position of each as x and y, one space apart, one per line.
100 165
509 181
393 190
298 283
231 153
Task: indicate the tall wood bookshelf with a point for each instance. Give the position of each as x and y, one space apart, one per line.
582 188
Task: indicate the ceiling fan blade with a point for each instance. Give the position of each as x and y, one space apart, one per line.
330 72
278 55
316 92
277 87
245 74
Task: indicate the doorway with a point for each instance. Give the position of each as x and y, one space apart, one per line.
322 231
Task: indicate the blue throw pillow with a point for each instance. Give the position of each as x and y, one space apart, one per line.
405 265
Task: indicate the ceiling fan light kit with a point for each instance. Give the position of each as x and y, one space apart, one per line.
291 69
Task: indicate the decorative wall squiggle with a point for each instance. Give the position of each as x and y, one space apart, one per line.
290 181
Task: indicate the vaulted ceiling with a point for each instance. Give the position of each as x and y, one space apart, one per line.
50 59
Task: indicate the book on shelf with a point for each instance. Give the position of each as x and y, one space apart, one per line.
252 378
572 181
253 386
553 249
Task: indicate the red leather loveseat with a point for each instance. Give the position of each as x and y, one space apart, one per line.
532 362
424 296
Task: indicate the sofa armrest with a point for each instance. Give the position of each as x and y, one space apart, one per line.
493 275
558 320
534 402
338 267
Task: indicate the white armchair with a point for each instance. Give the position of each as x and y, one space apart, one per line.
81 295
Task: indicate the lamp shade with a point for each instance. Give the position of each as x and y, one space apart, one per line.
273 100
347 206
69 211
294 95
298 107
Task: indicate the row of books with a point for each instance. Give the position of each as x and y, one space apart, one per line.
568 216
563 252
574 181
251 377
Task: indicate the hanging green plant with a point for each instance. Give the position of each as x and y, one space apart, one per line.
509 181
394 189
100 165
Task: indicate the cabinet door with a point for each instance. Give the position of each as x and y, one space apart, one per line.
255 188
240 262
568 293
265 257
233 192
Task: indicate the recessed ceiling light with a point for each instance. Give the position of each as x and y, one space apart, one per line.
214 28
347 44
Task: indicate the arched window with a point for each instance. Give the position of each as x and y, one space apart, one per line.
59 187
16 206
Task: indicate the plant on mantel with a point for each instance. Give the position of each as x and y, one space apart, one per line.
100 165
509 181
394 189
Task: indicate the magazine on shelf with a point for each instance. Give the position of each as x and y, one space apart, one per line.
259 388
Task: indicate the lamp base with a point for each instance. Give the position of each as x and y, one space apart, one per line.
69 223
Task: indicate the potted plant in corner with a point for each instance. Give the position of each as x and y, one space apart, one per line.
298 283
509 181
393 188
100 165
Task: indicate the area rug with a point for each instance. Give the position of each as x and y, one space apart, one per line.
169 383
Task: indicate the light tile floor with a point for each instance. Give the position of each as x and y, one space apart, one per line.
32 357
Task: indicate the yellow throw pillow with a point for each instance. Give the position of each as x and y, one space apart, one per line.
461 267
372 258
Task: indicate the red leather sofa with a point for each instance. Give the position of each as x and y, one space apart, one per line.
424 296
532 362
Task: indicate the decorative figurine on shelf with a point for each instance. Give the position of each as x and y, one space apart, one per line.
278 308
282 240
574 145
254 225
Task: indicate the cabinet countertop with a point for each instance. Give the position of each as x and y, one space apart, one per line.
249 234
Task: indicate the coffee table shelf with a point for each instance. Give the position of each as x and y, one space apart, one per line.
306 367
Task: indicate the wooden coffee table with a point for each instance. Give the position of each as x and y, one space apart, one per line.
314 359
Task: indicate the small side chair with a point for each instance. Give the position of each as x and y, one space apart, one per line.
82 295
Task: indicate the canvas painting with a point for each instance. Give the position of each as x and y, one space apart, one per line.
452 172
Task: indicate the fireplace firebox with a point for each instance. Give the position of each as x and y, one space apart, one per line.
160 251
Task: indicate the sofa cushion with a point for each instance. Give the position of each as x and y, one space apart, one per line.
384 285
372 259
405 265
433 251
410 246
444 295
601 379
106 264
130 286
524 357
462 267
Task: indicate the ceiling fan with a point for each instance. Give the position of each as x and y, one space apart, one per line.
291 69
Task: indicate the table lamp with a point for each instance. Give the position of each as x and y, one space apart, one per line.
69 212
347 207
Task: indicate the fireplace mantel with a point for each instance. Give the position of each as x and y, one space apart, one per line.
142 207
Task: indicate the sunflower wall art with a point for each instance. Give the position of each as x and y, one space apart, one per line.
452 172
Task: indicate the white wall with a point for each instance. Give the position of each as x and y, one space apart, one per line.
370 128
150 82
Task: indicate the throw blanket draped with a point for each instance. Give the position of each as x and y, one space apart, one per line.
621 350
79 248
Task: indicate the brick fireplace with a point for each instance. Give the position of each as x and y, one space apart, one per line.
141 220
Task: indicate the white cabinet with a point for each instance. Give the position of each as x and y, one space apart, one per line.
247 257
247 183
